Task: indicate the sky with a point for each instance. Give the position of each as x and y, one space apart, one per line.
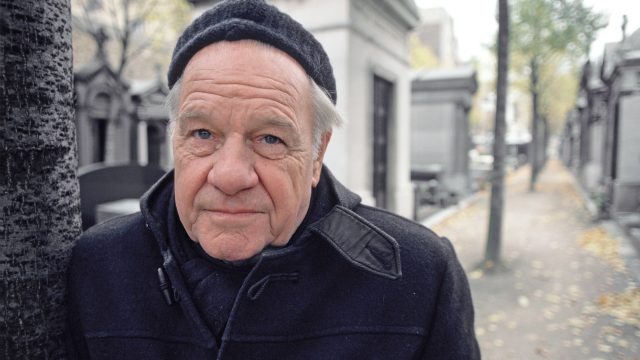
475 25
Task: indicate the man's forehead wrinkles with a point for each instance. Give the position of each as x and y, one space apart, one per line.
262 83
283 102
285 79
238 86
211 72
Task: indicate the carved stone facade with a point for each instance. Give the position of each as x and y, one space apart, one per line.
102 122
119 123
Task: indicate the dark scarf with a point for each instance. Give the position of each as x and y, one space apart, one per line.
214 283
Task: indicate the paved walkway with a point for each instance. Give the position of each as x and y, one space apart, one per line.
569 289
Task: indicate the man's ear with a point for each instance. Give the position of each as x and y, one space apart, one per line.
317 162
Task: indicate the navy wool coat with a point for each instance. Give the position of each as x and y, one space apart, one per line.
357 283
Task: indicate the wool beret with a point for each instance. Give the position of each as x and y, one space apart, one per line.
233 20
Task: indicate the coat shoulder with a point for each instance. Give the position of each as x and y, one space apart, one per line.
112 235
419 245
122 244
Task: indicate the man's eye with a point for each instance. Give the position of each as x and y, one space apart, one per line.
202 134
270 146
272 140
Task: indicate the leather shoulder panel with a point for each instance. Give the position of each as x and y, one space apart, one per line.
360 242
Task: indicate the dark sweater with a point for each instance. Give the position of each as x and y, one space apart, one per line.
355 282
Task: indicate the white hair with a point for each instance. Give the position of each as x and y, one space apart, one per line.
326 116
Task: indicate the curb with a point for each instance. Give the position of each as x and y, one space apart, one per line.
447 212
626 249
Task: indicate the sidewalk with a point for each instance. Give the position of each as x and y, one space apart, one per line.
569 289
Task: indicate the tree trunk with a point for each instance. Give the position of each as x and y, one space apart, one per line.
535 118
494 240
545 142
39 196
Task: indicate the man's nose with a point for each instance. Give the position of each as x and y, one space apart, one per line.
233 168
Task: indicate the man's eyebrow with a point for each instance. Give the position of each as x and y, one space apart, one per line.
281 123
286 125
187 115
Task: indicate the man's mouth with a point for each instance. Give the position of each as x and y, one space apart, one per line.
234 212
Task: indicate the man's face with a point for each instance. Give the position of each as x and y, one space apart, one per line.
244 165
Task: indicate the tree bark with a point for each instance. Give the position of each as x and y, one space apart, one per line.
494 240
535 118
39 196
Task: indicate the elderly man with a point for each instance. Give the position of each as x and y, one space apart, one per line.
250 249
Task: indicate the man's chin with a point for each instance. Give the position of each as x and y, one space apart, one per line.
231 250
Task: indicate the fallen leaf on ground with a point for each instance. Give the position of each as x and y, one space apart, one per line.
624 307
599 242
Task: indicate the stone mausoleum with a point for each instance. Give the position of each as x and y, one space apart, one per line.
440 136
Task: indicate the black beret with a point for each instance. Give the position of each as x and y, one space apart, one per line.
233 20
